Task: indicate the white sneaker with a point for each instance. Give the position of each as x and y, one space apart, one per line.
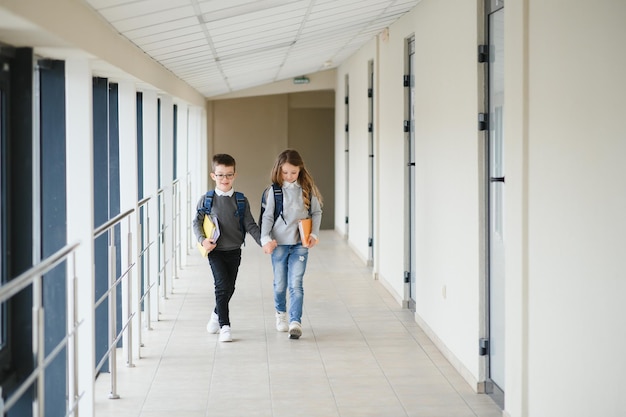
295 330
225 335
213 326
281 321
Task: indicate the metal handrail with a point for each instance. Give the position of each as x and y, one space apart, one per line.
34 277
26 278
112 222
143 252
38 371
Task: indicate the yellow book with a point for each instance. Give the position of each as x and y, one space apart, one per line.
211 231
305 226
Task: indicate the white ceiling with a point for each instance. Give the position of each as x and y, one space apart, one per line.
221 46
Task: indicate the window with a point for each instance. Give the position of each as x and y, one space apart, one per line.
5 351
4 74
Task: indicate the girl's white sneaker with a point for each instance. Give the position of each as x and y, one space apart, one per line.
281 321
295 330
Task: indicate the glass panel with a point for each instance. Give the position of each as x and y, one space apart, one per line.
3 324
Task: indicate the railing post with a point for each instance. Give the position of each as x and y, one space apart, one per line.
148 276
112 304
128 343
72 348
141 315
38 346
188 244
174 231
162 245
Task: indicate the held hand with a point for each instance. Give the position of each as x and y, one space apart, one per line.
208 245
312 242
269 247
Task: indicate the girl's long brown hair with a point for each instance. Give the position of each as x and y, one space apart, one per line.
305 179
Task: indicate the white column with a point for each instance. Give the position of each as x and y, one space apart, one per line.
192 168
167 177
182 168
199 164
128 200
80 208
150 188
516 210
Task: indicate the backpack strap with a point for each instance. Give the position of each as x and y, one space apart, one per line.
208 201
278 201
241 210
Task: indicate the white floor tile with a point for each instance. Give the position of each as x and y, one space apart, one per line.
360 354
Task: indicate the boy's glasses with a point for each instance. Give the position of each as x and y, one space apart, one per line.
227 176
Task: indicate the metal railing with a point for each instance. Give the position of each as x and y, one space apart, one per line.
138 302
111 297
34 278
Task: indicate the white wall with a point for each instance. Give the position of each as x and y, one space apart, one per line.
447 169
565 141
447 175
341 185
357 186
573 142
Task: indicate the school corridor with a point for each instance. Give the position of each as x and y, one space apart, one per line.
360 355
470 155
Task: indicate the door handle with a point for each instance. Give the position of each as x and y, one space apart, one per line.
496 179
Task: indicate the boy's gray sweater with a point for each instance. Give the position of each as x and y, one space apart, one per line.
225 209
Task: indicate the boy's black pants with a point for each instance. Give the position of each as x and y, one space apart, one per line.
225 265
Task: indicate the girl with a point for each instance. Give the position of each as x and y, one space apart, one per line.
301 199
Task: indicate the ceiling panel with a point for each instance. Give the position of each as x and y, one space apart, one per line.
168 36
220 46
161 28
175 44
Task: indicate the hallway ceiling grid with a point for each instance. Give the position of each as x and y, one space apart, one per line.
222 46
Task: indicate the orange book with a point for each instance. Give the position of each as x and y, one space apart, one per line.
305 226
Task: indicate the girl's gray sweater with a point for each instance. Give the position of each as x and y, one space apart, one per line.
285 229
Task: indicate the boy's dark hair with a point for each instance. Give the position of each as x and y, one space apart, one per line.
223 159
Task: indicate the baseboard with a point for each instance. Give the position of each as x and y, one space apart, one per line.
400 300
454 361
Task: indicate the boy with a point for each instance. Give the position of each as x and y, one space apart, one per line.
225 253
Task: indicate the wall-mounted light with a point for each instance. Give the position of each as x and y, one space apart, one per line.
301 80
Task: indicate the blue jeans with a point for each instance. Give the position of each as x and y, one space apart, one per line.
225 265
289 263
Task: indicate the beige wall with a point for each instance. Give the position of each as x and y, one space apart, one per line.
254 130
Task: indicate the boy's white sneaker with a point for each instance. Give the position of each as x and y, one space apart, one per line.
281 321
295 330
213 326
225 335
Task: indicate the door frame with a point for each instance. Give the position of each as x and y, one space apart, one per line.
410 156
486 340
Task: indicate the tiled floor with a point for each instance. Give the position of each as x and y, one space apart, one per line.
360 354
